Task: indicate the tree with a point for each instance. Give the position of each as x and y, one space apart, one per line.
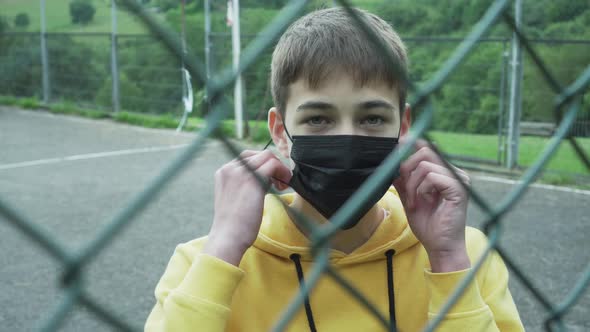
21 20
566 10
82 11
3 24
165 5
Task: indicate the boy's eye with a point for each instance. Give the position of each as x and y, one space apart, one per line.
373 120
317 121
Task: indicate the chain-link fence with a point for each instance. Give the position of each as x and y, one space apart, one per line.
566 104
80 72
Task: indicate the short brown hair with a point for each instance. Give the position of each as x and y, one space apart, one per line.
330 39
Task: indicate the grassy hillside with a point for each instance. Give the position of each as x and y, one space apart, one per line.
59 20
542 18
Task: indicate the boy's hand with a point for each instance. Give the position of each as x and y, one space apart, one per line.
239 200
436 207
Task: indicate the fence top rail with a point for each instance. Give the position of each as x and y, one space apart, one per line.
252 35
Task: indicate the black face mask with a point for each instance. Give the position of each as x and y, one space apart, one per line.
329 169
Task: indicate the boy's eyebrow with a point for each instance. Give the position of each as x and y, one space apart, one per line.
315 105
375 104
321 105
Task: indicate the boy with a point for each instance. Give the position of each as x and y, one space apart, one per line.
339 111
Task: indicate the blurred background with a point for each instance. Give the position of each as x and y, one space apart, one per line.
96 60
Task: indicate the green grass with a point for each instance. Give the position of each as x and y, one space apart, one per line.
29 103
73 109
58 17
154 121
485 146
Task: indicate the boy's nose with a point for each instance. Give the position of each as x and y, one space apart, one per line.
346 128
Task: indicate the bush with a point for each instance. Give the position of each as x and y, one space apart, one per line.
21 20
82 11
22 76
131 97
155 76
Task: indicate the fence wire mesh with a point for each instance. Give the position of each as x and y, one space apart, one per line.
566 105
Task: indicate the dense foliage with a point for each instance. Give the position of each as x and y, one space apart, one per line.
472 98
3 24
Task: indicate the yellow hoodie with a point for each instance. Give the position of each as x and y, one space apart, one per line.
199 292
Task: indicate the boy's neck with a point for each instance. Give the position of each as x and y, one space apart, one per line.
344 240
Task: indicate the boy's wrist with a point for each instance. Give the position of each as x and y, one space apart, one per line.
224 249
449 261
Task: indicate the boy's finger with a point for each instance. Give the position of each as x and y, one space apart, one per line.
418 175
279 184
420 143
256 160
440 184
243 156
423 154
248 153
274 168
424 144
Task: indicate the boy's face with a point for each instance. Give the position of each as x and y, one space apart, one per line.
338 107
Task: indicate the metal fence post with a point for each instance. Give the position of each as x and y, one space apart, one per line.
515 93
207 14
44 57
114 67
238 103
502 107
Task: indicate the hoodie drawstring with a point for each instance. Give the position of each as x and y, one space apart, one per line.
296 259
391 294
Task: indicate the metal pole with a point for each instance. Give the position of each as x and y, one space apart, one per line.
114 67
183 40
238 103
515 93
44 57
502 106
207 13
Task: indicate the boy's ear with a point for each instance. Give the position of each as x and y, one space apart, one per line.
406 121
276 127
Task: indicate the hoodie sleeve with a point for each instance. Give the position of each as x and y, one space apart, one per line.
196 290
486 304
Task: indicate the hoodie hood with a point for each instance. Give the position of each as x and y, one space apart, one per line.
279 236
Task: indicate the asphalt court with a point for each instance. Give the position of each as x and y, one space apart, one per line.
72 175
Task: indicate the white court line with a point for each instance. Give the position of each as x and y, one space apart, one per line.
92 156
535 185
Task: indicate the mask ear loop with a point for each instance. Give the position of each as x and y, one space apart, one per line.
267 144
288 135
